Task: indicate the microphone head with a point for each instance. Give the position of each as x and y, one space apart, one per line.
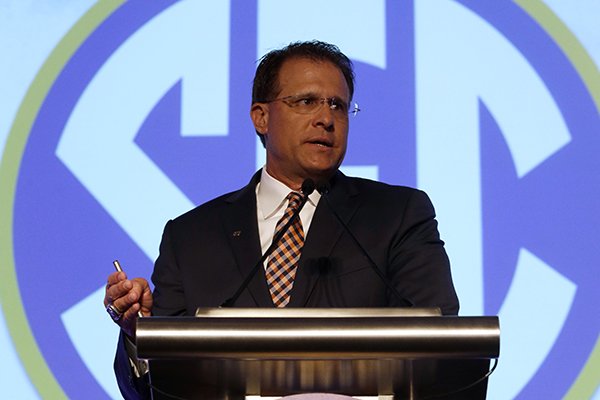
323 187
308 186
324 265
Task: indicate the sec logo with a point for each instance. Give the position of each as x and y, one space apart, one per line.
144 115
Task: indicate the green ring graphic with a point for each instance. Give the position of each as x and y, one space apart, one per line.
10 297
568 43
587 381
18 326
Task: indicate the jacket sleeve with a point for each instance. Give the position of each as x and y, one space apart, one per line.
131 378
417 263
132 387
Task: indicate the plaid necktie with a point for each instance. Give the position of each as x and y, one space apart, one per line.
282 266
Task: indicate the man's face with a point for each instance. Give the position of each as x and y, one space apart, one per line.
303 145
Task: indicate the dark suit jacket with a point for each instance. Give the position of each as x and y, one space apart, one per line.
206 253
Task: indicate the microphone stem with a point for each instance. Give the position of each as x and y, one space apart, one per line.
231 301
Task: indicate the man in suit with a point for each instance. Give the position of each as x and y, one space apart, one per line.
301 100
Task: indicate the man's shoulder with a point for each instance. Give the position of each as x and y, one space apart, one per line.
213 208
371 188
384 197
209 208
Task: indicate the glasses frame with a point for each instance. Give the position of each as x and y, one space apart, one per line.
292 102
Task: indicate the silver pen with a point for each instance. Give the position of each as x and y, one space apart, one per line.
119 269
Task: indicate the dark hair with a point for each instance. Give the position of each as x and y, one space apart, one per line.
266 79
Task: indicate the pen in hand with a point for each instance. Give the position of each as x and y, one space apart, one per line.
119 269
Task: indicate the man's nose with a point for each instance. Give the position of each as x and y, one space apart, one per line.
324 117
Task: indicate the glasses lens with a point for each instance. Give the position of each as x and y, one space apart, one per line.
303 105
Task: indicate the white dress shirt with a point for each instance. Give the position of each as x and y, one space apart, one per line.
271 204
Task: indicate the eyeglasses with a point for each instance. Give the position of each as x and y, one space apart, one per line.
307 104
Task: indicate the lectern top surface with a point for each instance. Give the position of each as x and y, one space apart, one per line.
316 312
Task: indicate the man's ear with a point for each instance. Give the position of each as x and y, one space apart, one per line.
259 113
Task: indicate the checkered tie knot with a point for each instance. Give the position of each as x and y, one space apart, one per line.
283 263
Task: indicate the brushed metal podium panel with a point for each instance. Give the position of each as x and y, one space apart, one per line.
231 353
404 379
317 337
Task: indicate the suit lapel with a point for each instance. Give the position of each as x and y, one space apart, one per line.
323 234
239 219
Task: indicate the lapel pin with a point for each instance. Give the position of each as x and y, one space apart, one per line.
237 233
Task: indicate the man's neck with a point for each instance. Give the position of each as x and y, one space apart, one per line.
296 183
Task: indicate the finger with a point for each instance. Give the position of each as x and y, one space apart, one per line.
146 300
117 291
127 322
127 297
113 290
138 285
145 295
116 277
141 286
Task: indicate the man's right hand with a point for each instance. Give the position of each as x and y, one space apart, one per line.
128 297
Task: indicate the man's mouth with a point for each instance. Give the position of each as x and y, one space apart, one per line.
323 143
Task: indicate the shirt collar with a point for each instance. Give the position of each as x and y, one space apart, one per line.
271 194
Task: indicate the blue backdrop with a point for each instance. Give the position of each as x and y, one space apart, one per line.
116 116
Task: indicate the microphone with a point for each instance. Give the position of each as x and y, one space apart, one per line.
323 188
320 268
308 186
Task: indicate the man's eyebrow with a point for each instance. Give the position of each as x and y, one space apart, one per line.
312 94
305 94
338 98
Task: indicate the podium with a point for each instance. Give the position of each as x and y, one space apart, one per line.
393 353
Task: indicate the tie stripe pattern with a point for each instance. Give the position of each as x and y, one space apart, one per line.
283 263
